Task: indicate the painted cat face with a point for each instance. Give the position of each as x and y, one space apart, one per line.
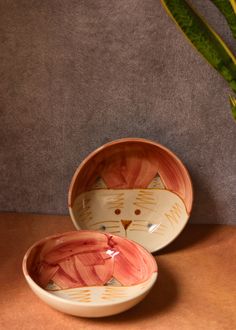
144 215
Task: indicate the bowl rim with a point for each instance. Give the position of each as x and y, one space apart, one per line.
123 141
31 282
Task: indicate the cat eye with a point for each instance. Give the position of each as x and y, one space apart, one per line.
117 211
137 212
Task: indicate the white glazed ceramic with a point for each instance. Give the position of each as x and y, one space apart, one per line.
133 188
89 274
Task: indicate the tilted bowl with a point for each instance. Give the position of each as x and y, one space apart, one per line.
89 274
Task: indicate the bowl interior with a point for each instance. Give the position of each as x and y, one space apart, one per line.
91 267
134 188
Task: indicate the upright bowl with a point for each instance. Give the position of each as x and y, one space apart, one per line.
133 188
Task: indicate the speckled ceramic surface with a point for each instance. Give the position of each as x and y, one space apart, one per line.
133 188
87 273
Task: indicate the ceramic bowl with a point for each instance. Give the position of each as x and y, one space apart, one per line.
133 188
89 274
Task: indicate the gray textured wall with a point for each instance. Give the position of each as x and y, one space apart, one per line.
76 74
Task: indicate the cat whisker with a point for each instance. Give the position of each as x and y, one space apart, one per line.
102 222
134 221
147 231
138 230
140 221
162 225
103 228
137 224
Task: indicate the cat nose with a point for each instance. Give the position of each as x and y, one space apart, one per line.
126 223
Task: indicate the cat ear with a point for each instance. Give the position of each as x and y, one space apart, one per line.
99 184
156 183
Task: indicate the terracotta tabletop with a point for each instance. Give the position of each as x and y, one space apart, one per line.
195 290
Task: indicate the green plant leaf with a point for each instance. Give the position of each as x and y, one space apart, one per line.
233 4
232 100
203 38
226 8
